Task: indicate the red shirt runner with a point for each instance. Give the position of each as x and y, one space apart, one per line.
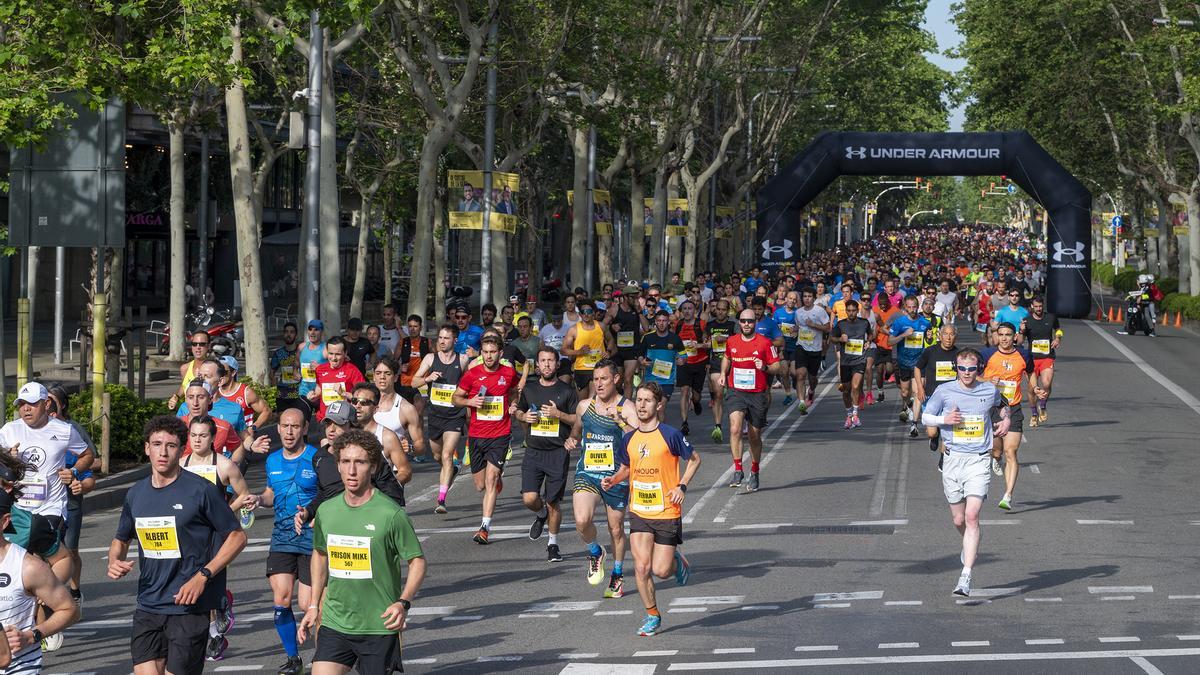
491 420
743 375
336 384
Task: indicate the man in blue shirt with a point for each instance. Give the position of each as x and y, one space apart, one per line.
766 325
469 334
1014 313
908 341
785 318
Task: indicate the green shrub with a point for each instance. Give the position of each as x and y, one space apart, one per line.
1168 285
1125 281
1182 302
265 391
127 415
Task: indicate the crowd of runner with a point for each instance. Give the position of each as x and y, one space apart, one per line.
578 381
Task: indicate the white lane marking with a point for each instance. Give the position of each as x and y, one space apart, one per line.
424 611
1122 638
589 655
614 612
1146 665
1118 597
759 608
933 658
899 645
1188 637
494 659
1043 599
1033 467
896 521
686 610
466 530
564 606
1044 641
1005 521
708 600
831 605
855 595
464 617
994 592
971 643
761 526
1120 589
1104 522
901 505
421 662
1188 400
538 615
734 650
647 653
903 603
1183 597
817 648
885 462
609 669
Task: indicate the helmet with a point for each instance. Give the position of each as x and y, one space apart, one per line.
1145 278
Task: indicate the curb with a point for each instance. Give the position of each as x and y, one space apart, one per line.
110 490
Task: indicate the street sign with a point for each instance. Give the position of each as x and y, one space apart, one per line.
1012 189
1117 222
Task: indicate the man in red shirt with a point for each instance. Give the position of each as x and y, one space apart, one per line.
749 359
690 376
336 378
488 389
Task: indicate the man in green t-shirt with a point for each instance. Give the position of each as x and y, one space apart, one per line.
356 539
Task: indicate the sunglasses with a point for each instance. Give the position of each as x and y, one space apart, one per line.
199 344
746 321
967 369
362 401
462 317
587 310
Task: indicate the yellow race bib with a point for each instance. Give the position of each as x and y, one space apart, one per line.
1041 346
646 497
157 537
349 557
441 394
1008 389
308 371
854 347
717 346
661 369
208 472
806 334
915 341
492 409
625 338
591 358
598 457
970 428
332 391
788 330
290 375
545 427
944 372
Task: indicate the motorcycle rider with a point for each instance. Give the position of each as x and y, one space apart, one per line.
1150 294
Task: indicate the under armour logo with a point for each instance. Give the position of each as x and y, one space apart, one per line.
856 153
1076 252
785 250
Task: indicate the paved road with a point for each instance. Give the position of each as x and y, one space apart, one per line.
844 560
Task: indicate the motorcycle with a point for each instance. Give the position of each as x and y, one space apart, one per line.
224 328
1136 318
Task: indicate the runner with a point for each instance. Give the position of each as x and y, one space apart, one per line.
79 482
658 490
812 327
488 390
1008 366
966 412
335 379
227 438
312 354
1043 334
934 368
691 373
467 337
187 537
749 360
291 484
1012 313
661 352
255 410
587 342
628 325
785 317
409 354
550 408
442 371
908 338
599 425
285 364
851 336
358 539
390 331
883 364
199 342
395 413
397 445
720 327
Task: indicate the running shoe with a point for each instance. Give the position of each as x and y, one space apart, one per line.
1005 503
616 586
808 402
803 408
1043 415
420 459
752 484
52 643
467 456
868 399
683 571
696 407
1034 420
1122 332
215 650
996 468
855 421
904 415
684 428
717 436
933 444
787 400
481 537
225 616
595 573
553 554
738 477
293 666
912 431
650 626
508 455
963 587
441 507
245 518
879 396
849 422
539 524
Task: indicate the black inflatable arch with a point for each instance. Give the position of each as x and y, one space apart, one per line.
1014 154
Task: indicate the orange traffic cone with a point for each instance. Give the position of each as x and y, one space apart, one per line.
1179 319
1111 317
1099 314
1120 315
1164 319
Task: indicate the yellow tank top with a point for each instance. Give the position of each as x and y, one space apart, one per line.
591 341
190 374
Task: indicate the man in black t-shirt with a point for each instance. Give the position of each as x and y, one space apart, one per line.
187 536
548 407
358 348
1043 335
935 367
720 327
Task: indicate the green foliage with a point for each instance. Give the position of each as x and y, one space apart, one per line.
1106 275
265 391
127 415
1168 285
1182 302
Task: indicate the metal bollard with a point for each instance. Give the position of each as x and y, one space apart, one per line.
142 362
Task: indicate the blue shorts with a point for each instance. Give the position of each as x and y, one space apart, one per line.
614 498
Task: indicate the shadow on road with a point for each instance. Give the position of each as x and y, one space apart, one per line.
814 482
1040 581
1060 502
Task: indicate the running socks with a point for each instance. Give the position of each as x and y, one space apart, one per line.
595 550
618 568
285 625
737 465
753 467
553 540
652 611
487 524
442 490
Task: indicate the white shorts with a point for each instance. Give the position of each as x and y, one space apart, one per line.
966 475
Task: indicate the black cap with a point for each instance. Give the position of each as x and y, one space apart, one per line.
354 323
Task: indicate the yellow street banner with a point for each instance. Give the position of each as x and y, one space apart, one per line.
466 211
601 210
677 216
724 222
1181 230
1150 231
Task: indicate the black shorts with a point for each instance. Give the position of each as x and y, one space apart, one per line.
439 425
409 394
847 372
754 404
545 471
564 368
178 638
667 532
295 564
372 654
484 450
1015 413
74 524
809 361
691 375
626 354
904 373
583 379
882 355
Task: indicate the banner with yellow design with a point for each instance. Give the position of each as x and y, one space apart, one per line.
466 200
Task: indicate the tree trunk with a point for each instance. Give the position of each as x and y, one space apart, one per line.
427 173
32 259
363 217
388 247
248 229
179 265
604 256
331 269
675 247
579 216
440 269
499 266
637 244
658 234
1189 247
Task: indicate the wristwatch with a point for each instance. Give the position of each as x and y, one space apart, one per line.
206 573
37 636
405 604
683 488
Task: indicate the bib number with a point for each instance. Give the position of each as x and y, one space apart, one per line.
854 347
744 378
662 369
441 394
717 347
157 537
647 497
208 472
788 330
914 341
945 371
689 349
1008 389
349 557
545 427
806 335
598 457
492 409
970 428
308 371
289 375
332 391
1041 346
591 357
625 338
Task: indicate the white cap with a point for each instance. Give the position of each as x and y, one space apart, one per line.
33 392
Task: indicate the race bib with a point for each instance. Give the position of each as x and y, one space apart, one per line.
646 497
717 347
744 378
662 369
915 341
854 347
349 557
970 428
157 537
208 472
598 457
981 328
34 491
441 394
545 427
788 330
1041 346
591 357
332 391
806 334
290 375
689 349
308 371
625 338
944 372
1008 389
492 409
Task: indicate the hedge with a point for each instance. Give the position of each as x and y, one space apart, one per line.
1182 302
1126 279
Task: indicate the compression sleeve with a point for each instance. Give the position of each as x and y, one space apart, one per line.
931 420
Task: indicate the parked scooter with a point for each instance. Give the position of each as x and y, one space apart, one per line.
224 328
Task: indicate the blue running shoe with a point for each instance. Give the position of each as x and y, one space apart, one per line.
650 626
683 571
